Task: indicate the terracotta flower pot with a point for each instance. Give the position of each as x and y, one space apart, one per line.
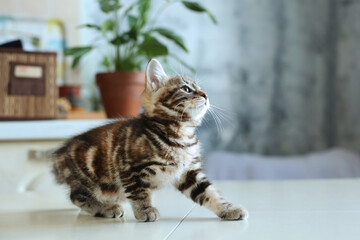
120 92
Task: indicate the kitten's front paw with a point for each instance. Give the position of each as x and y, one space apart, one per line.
234 213
147 214
110 211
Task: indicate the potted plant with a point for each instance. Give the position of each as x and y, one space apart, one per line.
132 46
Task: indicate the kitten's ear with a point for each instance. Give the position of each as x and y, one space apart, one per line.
155 75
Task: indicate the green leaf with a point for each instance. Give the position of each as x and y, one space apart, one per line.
75 62
77 53
128 10
197 7
106 62
194 6
132 21
118 40
90 26
124 38
143 9
172 36
133 34
109 5
108 25
128 64
212 17
151 47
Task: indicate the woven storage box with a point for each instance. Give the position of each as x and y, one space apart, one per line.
28 87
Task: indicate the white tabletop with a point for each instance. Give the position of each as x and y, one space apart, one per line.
321 209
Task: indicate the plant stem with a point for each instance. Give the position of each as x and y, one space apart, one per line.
116 31
117 62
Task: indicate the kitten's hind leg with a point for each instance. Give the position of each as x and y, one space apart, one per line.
89 203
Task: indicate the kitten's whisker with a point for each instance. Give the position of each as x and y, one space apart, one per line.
182 70
221 126
206 121
184 111
224 115
199 81
177 112
179 104
216 120
196 78
220 120
173 69
229 114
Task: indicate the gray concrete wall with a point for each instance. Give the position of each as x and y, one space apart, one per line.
286 72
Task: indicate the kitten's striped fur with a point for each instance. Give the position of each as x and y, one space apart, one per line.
129 158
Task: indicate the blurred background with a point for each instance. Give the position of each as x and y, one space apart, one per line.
283 75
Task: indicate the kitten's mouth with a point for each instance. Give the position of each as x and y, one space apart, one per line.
206 103
203 103
200 106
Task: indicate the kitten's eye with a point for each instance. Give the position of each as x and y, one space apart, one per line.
186 89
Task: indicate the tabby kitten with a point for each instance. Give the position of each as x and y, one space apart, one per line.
129 158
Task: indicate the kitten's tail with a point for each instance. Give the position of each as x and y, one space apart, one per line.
58 165
52 155
60 179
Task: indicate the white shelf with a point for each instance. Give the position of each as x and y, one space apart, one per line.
47 129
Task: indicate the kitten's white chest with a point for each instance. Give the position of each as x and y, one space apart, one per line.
174 169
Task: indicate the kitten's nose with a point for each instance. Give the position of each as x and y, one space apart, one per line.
203 94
